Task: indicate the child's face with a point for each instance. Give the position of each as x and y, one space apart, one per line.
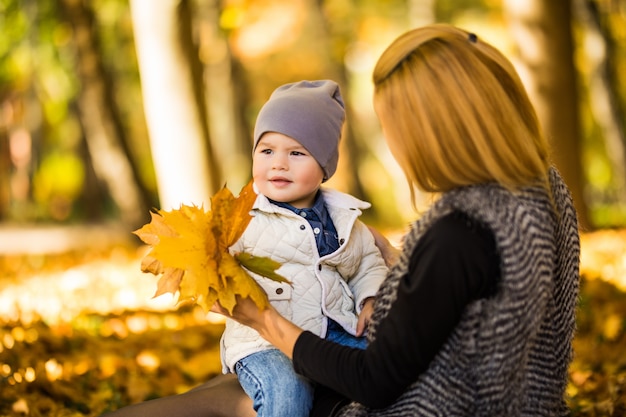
284 171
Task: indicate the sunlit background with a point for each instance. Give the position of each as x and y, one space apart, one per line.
110 108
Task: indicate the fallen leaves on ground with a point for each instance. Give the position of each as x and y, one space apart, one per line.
59 357
98 363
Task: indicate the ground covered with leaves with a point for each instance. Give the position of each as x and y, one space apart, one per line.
80 334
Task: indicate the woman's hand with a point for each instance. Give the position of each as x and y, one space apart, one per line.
245 312
273 327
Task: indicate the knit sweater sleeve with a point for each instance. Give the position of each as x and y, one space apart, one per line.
454 263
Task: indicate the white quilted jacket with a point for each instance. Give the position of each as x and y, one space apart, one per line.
332 286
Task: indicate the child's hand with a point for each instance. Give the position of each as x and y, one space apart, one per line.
364 316
390 253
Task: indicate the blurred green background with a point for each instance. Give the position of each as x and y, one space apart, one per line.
111 107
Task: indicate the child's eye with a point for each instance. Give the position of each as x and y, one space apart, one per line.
297 153
265 151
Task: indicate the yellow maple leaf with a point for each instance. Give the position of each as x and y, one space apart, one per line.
190 252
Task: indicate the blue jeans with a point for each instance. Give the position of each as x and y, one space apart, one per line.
275 388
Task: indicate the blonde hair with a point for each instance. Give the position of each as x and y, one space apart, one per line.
455 112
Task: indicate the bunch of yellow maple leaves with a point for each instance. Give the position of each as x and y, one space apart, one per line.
190 252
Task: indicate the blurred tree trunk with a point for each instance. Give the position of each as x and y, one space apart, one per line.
5 168
336 43
100 118
226 95
543 33
358 147
173 95
94 191
356 150
605 102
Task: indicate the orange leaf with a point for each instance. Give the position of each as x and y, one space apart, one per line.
151 264
239 282
150 232
190 250
241 214
231 215
169 281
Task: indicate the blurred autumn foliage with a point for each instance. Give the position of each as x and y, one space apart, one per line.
79 331
80 334
598 372
63 352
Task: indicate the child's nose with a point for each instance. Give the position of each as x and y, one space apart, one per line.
280 161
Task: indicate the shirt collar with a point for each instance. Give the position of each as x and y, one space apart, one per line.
316 212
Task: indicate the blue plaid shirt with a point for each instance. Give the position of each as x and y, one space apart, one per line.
319 219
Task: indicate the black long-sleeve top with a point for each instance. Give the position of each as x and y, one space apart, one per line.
454 263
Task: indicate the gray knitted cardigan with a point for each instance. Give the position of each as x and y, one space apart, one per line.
509 355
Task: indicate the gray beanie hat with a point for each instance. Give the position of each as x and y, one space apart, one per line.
311 112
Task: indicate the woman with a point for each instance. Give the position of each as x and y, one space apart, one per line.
477 316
